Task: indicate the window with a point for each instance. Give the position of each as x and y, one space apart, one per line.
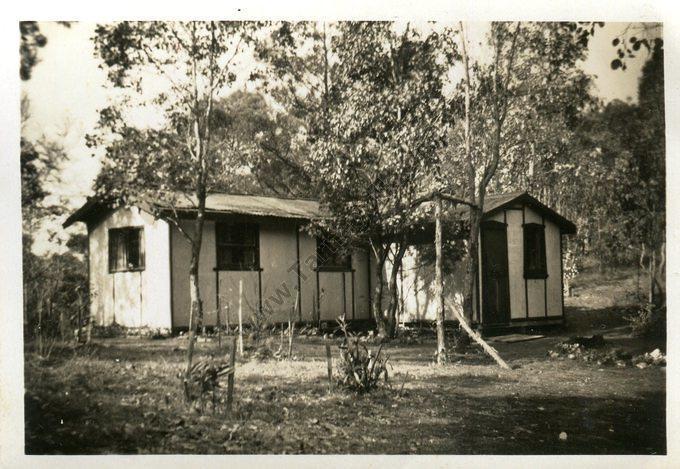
126 249
237 246
534 251
332 255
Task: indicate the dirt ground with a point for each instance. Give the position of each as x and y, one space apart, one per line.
122 396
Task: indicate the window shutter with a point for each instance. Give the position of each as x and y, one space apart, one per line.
142 252
534 251
112 250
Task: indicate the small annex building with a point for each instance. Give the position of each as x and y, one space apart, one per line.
257 254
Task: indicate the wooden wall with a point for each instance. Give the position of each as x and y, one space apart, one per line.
275 286
131 299
529 298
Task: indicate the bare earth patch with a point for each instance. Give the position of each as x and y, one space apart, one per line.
123 396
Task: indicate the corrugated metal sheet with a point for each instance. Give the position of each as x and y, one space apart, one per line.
220 203
495 202
216 203
251 205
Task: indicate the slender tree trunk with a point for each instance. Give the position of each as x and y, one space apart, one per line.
380 255
393 290
39 307
471 257
194 315
660 276
439 282
650 291
196 311
640 269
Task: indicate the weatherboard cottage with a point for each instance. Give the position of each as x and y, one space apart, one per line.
256 256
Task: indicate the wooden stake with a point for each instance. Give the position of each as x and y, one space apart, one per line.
219 331
230 378
477 338
329 362
240 317
291 328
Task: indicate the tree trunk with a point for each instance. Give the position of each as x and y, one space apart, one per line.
439 283
471 258
394 293
472 265
660 276
640 269
380 255
650 291
195 315
39 328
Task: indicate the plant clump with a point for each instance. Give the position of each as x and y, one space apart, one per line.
360 368
648 321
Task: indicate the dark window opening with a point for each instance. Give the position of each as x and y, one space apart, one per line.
332 255
534 251
237 246
126 249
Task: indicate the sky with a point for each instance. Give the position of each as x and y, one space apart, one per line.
67 88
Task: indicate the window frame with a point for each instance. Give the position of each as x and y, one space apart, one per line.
125 231
345 266
530 231
231 267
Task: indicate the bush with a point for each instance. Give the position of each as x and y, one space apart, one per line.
649 321
360 369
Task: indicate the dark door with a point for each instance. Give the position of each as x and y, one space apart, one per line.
495 285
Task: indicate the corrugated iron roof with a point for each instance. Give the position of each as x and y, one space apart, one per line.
496 202
304 209
251 205
218 203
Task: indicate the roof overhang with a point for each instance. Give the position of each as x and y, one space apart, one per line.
218 205
504 201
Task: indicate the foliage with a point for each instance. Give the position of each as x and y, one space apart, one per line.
56 291
632 39
386 127
56 299
185 154
649 321
360 369
31 40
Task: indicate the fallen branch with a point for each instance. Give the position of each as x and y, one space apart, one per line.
478 338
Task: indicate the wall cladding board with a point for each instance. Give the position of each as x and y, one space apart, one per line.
181 259
278 259
417 289
516 264
362 295
554 280
132 299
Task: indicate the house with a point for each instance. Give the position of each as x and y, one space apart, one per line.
256 257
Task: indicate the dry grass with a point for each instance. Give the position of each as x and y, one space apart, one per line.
122 396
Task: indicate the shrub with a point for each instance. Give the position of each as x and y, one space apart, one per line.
360 369
648 321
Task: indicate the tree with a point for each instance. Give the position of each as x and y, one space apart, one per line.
506 103
385 128
31 40
274 162
178 155
297 70
651 165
